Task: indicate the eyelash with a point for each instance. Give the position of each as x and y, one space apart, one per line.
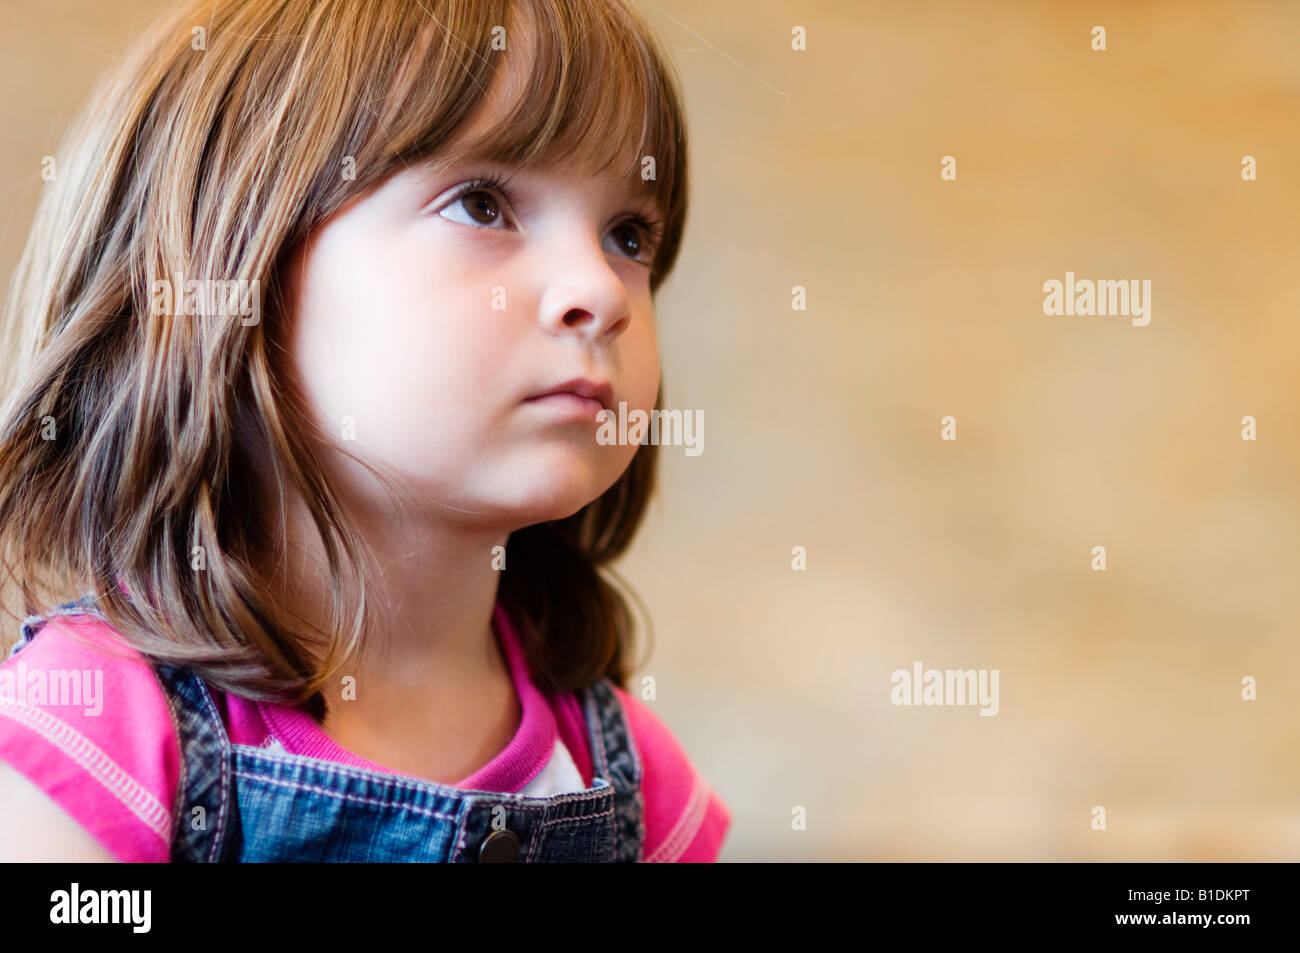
651 229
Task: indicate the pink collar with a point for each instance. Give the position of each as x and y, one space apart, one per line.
517 764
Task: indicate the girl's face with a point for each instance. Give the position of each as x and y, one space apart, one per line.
431 309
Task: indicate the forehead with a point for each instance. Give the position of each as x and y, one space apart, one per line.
480 138
476 147
584 127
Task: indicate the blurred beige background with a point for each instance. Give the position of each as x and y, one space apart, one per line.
820 168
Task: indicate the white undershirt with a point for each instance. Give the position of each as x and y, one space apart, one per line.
558 776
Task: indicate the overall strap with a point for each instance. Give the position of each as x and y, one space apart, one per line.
205 818
614 757
32 624
205 780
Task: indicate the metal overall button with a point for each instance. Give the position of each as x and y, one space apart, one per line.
499 847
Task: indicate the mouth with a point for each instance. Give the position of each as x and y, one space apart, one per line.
567 404
579 394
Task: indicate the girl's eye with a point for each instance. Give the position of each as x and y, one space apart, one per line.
637 238
628 240
477 205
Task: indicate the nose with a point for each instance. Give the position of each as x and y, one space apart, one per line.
584 294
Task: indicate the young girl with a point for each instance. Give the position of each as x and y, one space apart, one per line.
300 484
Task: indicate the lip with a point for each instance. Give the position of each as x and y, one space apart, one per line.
598 395
568 404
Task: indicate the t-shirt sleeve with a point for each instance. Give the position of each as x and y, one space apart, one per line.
685 820
84 718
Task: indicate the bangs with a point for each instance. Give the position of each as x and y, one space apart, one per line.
595 92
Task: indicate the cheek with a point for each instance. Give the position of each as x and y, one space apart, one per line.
643 370
397 313
401 347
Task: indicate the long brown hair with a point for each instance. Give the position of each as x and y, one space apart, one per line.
130 437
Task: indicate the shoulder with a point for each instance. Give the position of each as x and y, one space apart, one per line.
84 719
34 829
685 819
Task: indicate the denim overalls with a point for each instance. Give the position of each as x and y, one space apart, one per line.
239 803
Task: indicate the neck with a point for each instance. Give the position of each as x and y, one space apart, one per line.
437 590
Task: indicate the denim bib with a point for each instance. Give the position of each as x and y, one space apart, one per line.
240 803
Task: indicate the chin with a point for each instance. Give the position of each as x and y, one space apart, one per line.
555 493
557 504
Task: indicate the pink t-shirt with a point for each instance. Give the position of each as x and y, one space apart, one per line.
83 717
